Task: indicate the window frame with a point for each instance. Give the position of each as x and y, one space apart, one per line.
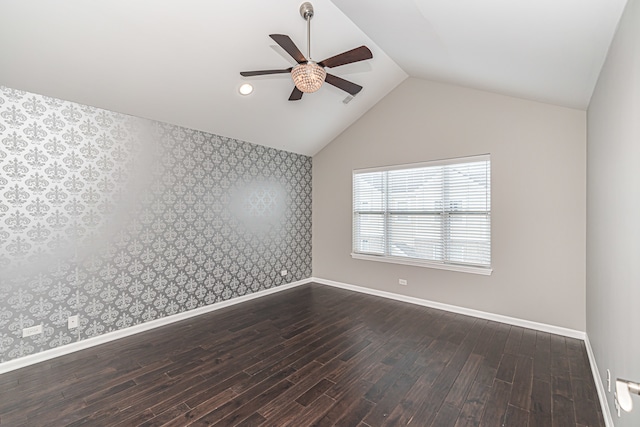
386 257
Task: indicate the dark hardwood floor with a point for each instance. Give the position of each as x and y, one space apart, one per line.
314 356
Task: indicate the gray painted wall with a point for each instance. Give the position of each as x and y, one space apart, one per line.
538 160
123 220
613 212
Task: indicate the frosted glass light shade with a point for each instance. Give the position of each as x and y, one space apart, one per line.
308 77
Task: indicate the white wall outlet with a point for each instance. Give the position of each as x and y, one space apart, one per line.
609 381
402 282
283 273
72 322
33 330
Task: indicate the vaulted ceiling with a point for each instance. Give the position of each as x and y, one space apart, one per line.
179 61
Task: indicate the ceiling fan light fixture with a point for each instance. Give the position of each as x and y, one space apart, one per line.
308 77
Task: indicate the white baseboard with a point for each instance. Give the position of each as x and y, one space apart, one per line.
558 330
604 404
111 336
571 333
25 361
608 419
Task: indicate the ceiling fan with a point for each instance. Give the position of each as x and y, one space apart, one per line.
308 76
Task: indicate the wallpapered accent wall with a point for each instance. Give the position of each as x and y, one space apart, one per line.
123 220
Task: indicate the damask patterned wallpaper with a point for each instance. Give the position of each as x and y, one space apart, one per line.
123 220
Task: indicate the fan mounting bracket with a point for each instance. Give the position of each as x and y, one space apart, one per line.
306 10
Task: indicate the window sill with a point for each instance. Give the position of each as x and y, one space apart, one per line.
451 267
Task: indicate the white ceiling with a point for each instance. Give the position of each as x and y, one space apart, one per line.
545 50
179 61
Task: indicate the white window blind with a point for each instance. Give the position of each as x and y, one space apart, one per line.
435 213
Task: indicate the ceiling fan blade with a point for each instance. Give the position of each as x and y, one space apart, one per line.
289 46
354 55
264 72
343 84
296 95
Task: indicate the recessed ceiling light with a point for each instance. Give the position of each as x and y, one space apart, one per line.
245 89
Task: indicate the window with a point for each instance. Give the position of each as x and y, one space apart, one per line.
435 214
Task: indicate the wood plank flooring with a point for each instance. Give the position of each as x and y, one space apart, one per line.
314 356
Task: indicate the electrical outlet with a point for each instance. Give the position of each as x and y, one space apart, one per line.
609 381
72 322
283 273
33 330
402 282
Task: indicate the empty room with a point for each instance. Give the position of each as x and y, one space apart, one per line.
328 213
